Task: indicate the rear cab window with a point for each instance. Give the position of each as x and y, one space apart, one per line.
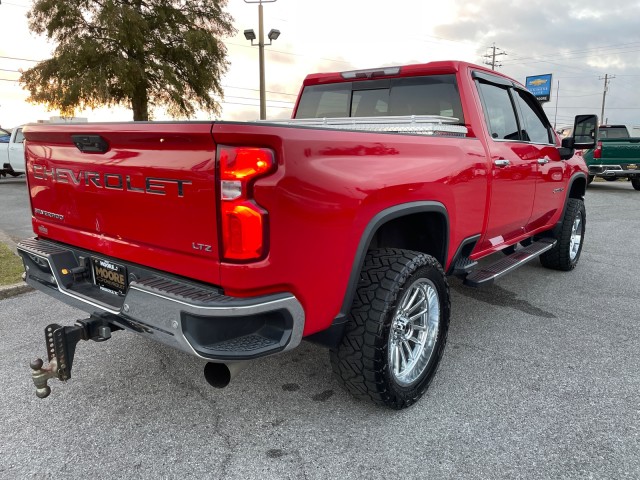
613 131
423 95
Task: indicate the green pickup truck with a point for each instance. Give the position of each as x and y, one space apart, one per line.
617 155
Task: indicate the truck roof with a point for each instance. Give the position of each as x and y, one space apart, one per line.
431 68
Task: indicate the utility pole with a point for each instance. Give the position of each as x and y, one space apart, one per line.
493 56
606 79
555 117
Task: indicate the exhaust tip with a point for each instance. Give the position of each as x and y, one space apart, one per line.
217 375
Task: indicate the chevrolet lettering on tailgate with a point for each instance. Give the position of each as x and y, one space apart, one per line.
111 181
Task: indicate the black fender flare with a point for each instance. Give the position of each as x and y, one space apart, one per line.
556 228
572 180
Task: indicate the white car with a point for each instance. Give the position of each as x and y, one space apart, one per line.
12 152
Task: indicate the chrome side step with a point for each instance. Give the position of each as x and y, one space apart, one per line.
488 274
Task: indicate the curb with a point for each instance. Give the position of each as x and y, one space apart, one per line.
8 291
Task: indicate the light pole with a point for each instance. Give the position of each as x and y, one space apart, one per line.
251 36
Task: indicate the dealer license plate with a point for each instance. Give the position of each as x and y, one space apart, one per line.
109 276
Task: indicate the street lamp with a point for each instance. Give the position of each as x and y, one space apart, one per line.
251 36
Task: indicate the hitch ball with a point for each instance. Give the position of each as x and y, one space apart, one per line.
41 376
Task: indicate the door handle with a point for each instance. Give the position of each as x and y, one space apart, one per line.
502 162
543 161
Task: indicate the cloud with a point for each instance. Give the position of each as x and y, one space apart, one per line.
280 57
578 42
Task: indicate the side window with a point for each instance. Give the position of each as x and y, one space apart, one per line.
4 136
534 128
19 137
499 112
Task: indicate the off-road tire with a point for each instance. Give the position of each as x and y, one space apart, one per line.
362 360
635 183
559 257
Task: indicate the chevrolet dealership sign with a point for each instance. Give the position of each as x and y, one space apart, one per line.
540 86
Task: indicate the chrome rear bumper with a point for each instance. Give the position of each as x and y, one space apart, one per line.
192 317
613 170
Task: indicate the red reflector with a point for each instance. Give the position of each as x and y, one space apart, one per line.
242 231
238 163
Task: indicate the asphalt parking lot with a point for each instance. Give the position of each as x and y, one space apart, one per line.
540 379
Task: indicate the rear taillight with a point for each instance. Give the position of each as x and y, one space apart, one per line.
597 153
243 221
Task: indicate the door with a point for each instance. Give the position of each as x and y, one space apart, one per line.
551 173
16 152
514 164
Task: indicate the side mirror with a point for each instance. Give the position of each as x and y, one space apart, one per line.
585 132
567 150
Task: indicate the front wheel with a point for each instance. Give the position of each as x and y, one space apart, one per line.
590 179
635 182
570 237
397 328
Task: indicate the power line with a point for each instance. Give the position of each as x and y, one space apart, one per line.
595 108
21 59
579 96
250 98
570 53
257 90
290 53
256 105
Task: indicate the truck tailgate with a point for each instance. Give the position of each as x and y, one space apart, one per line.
150 198
620 150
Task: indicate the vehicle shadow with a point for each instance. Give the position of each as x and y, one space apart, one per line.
618 186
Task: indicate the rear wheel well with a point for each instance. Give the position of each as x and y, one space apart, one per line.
419 226
424 232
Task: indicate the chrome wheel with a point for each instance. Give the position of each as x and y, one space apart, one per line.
576 237
414 331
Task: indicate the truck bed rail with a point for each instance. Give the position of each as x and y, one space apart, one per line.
411 124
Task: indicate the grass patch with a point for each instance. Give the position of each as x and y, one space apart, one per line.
10 266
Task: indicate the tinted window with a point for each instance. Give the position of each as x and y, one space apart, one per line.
499 112
19 137
534 127
613 132
370 103
430 95
434 95
4 136
320 101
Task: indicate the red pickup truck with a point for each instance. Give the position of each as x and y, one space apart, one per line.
232 241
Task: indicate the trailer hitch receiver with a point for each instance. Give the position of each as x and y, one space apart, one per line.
61 344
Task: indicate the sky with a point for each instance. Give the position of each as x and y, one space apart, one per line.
578 42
